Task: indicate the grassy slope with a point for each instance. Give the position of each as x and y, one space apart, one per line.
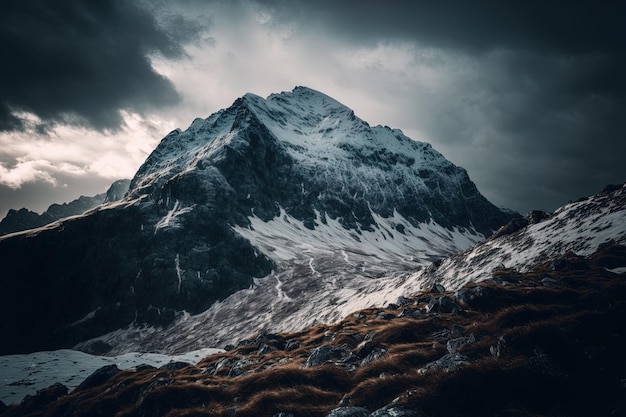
548 342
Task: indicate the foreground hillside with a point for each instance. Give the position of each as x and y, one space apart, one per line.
545 342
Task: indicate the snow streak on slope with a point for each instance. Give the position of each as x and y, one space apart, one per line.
324 275
286 241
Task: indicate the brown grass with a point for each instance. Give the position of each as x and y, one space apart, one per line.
561 354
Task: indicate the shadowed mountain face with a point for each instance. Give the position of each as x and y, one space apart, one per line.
547 342
184 235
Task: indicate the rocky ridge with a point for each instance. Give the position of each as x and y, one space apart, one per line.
24 219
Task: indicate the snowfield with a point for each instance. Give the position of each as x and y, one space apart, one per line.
22 375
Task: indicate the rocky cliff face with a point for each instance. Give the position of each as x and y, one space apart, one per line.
222 203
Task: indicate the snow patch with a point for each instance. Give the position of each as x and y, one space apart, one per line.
22 375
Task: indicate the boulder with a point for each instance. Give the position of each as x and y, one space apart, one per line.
402 301
437 289
449 362
454 345
413 313
511 227
322 354
99 377
442 305
373 355
44 397
240 368
468 295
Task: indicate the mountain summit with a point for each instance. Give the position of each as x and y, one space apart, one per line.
290 190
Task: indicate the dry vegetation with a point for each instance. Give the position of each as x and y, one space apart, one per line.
549 342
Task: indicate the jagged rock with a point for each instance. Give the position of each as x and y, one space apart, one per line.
272 341
403 301
510 228
373 355
413 313
499 348
324 353
549 282
366 347
468 295
442 305
537 216
437 289
244 342
454 345
283 415
392 411
3 406
265 348
449 362
349 412
99 377
239 368
292 344
220 366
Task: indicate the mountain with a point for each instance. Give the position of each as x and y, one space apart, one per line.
335 280
255 216
24 219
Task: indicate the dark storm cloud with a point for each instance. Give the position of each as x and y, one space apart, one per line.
81 62
537 130
570 27
541 117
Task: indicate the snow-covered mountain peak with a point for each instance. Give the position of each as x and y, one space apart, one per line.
316 124
291 192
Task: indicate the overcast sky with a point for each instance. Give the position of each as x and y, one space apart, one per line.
529 97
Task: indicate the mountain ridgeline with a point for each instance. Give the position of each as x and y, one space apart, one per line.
173 243
24 219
